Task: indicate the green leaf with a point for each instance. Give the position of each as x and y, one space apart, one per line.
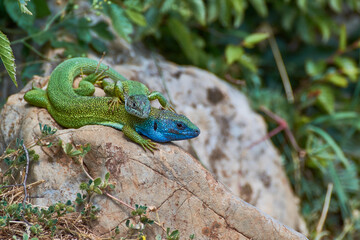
44 37
120 22
260 7
288 18
348 179
167 5
302 4
97 190
340 191
136 17
239 7
25 236
325 26
224 12
68 148
336 118
315 68
153 19
237 54
254 38
74 153
42 9
233 53
348 66
107 176
98 45
305 29
86 148
326 98
337 79
198 9
101 29
342 38
83 186
136 5
23 8
30 70
97 181
182 35
7 57
336 5
24 21
212 11
83 29
329 140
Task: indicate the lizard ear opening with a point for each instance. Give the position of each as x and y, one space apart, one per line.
155 126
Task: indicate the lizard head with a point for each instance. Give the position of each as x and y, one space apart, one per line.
138 105
166 126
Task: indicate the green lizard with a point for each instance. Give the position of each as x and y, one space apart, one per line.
135 95
73 110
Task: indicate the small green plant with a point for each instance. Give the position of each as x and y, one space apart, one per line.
15 214
174 235
138 223
47 130
77 153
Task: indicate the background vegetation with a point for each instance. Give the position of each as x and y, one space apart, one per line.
298 58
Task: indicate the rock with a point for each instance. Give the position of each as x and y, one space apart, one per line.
228 126
187 196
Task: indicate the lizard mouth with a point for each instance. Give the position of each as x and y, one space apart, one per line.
181 135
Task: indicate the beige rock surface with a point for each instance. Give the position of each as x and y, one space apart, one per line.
228 125
188 197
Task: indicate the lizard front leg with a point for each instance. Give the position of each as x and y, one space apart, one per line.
86 85
134 136
115 90
162 100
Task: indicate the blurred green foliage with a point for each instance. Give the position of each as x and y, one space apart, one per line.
316 43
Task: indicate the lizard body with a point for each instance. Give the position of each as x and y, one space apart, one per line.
135 95
73 110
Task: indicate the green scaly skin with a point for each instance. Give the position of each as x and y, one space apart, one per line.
132 98
73 110
135 95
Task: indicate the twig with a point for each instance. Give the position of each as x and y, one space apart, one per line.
161 74
9 186
35 50
324 212
234 80
83 168
282 126
119 201
28 186
280 64
349 48
17 222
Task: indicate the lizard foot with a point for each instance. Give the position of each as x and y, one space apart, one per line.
99 82
170 108
148 144
114 103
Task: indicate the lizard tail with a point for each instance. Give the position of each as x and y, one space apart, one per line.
37 97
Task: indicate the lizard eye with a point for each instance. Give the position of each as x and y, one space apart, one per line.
180 126
155 126
134 104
